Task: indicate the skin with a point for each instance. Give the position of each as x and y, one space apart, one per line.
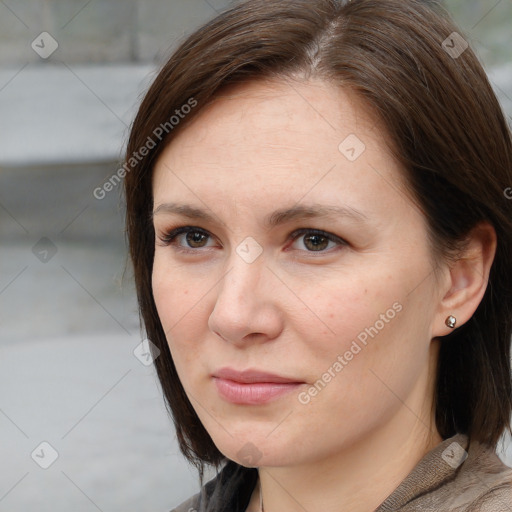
270 145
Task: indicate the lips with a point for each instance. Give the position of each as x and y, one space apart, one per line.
252 376
252 387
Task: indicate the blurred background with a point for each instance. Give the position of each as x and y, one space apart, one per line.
73 375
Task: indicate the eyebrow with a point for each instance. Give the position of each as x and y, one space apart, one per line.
276 218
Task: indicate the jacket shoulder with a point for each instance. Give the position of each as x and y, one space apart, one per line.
487 480
498 499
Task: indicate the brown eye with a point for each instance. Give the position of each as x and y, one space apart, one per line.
315 240
196 239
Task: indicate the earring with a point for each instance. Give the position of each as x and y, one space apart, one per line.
450 321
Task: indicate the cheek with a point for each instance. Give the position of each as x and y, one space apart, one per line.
372 342
379 343
346 311
179 308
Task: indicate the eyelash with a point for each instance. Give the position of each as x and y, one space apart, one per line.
169 238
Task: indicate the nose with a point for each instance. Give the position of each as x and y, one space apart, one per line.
246 308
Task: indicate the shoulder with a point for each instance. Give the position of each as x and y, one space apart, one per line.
456 476
484 482
498 499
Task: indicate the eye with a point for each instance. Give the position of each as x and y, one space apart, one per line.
315 240
187 237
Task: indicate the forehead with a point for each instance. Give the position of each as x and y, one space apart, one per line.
270 139
279 110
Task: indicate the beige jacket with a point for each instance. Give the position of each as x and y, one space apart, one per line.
450 478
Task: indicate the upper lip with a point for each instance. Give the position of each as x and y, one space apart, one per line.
251 376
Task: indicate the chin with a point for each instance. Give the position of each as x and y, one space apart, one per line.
257 451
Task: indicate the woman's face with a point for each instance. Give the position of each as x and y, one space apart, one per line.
299 255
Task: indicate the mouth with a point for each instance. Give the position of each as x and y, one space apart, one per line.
252 387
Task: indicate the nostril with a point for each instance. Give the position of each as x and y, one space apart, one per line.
220 335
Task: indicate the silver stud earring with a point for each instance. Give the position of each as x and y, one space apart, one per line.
450 321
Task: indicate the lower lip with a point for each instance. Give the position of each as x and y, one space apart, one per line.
254 393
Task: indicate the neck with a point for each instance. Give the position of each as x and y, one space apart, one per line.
359 479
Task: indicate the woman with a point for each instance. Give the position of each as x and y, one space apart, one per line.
321 244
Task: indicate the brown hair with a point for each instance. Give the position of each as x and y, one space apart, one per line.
447 129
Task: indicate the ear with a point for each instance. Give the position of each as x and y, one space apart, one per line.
466 279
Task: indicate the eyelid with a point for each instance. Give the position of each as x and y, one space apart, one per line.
330 236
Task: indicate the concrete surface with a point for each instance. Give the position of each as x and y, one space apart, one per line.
67 114
100 409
